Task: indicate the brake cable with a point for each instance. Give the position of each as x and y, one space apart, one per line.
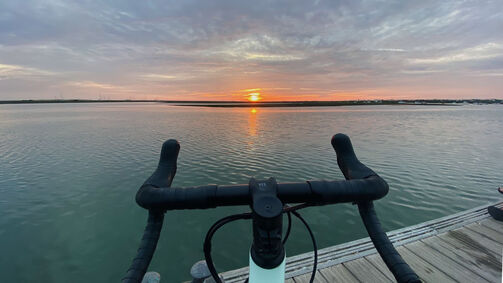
315 247
220 223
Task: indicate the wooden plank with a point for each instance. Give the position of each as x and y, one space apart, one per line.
469 239
486 232
426 271
364 271
363 247
377 261
451 219
493 224
304 278
338 273
289 280
485 265
472 240
458 223
444 263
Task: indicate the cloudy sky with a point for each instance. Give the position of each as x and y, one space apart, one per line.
223 50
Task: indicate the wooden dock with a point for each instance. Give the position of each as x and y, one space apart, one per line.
464 247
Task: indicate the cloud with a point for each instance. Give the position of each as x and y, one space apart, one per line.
94 85
21 72
480 52
158 77
287 48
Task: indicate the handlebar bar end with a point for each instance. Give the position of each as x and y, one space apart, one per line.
349 164
166 169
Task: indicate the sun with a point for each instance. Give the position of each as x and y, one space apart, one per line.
254 97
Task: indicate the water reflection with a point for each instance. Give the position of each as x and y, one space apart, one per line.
252 124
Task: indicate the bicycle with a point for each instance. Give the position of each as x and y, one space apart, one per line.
267 200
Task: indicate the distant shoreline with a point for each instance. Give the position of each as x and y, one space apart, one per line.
429 102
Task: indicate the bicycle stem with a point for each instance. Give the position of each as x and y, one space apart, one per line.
267 253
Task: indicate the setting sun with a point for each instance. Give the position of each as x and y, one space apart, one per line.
254 97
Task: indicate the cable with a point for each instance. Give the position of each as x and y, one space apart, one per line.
217 225
209 236
288 228
296 207
315 247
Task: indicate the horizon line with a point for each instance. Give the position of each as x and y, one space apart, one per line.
244 101
77 100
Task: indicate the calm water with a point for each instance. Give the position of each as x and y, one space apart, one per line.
69 173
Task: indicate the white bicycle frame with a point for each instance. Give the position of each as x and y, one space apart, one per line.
262 275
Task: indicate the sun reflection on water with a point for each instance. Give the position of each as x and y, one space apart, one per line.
252 124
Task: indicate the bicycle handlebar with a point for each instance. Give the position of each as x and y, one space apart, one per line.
400 269
348 163
352 168
310 192
166 169
162 177
365 185
362 186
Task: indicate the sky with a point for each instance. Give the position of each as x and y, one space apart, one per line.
226 50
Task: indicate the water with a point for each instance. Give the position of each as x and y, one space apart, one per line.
69 173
